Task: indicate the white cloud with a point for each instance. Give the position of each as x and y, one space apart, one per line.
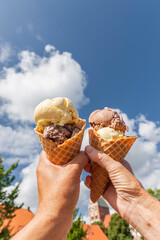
85 141
144 154
149 130
28 192
49 48
83 202
86 219
84 196
28 188
36 78
5 52
19 144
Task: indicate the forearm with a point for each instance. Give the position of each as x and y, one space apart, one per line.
145 218
42 228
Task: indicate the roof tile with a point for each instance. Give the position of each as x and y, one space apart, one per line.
22 217
107 219
94 232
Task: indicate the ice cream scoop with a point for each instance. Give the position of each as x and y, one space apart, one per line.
59 111
59 133
109 133
107 118
59 129
56 119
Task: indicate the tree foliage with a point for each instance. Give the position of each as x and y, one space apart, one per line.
119 229
76 231
154 193
7 198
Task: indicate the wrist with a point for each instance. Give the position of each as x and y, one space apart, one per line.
143 215
44 227
56 226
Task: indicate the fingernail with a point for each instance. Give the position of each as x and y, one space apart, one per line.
89 149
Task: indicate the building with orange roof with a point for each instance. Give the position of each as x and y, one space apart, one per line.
94 232
107 219
98 210
22 217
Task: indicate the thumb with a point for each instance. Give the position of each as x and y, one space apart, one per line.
120 177
102 159
80 161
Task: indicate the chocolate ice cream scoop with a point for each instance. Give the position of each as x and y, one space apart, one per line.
107 118
60 134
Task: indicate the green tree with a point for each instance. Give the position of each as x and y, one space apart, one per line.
118 229
7 198
76 231
154 193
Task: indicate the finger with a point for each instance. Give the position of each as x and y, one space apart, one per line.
43 160
45 167
87 181
127 166
101 158
87 168
80 160
42 156
110 195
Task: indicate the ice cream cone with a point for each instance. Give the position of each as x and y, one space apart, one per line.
116 149
61 154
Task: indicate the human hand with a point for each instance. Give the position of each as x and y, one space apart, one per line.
58 189
124 190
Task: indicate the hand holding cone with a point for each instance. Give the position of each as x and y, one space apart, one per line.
116 149
107 136
61 114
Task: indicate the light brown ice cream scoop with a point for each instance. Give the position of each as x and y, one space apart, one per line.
107 118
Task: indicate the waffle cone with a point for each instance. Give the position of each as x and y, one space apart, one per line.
61 154
116 149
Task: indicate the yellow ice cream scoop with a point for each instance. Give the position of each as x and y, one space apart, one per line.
58 111
108 133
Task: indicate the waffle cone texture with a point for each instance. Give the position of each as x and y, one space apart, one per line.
116 149
61 154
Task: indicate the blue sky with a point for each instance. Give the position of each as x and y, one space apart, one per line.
115 42
113 57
